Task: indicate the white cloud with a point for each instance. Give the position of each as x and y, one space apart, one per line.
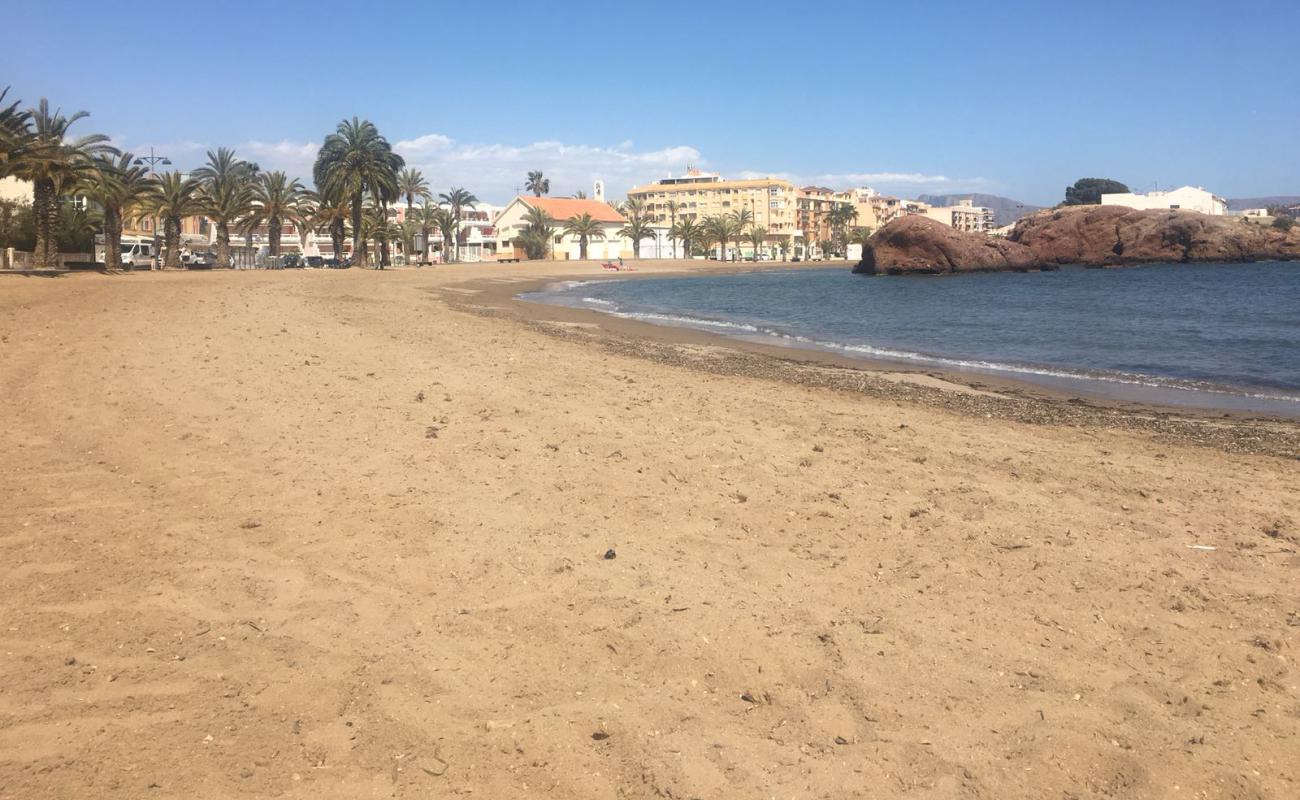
295 158
900 182
496 171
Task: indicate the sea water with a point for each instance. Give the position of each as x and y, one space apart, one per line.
1209 335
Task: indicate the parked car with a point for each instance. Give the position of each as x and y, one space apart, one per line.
315 262
201 261
291 261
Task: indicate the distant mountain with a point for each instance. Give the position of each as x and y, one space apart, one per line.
1242 203
1005 210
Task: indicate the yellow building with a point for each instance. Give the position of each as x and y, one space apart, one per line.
794 218
697 195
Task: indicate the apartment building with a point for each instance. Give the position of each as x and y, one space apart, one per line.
696 195
965 216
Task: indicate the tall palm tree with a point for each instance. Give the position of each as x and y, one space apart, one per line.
537 183
448 225
458 199
672 207
120 188
411 185
275 199
744 219
639 225
757 238
177 197
353 161
539 227
585 227
721 229
226 194
39 150
331 216
14 130
689 232
426 219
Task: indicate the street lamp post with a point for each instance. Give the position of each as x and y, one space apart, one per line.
153 160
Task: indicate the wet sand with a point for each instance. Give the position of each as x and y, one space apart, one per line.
344 534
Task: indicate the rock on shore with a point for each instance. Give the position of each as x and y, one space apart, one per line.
916 244
1086 235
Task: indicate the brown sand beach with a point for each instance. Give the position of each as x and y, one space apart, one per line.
344 534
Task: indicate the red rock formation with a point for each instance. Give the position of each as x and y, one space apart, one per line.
1087 235
1113 235
916 244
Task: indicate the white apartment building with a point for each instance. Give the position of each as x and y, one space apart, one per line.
1187 198
965 216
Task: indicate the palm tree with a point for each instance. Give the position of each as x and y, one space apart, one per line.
538 229
226 195
353 161
744 219
721 229
639 224
585 227
14 130
119 187
177 197
688 232
840 217
757 237
672 206
275 199
458 199
448 225
411 185
38 150
537 184
579 195
332 213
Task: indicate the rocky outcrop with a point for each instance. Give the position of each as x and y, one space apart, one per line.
1087 235
1114 236
916 244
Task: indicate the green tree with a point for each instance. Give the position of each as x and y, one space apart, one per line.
226 194
448 224
585 227
38 149
688 232
275 199
537 183
721 228
177 197
539 228
355 161
1088 191
672 207
458 199
757 238
121 189
639 225
411 185
331 215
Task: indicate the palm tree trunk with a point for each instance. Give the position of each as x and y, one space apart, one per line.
582 248
383 243
112 238
45 209
172 232
336 239
273 236
358 255
223 243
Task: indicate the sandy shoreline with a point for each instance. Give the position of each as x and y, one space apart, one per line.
343 534
975 393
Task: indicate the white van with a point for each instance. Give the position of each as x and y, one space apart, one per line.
136 253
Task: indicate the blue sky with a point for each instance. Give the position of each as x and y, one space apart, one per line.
1014 98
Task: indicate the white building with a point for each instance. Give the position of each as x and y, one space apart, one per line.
1187 198
610 245
965 216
